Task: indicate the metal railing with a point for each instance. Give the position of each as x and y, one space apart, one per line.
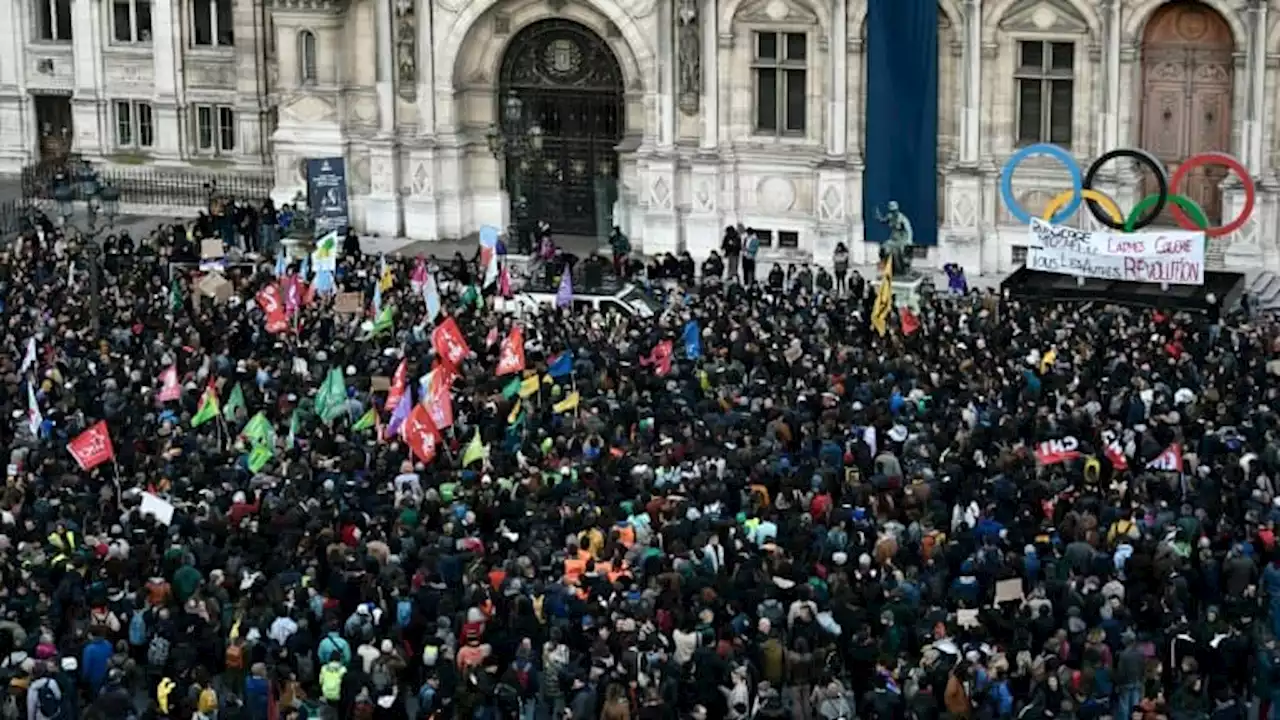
162 187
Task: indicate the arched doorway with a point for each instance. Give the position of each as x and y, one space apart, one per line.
1187 92
567 85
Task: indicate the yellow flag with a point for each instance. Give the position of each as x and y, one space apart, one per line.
884 300
1048 359
515 413
387 280
567 404
474 451
528 386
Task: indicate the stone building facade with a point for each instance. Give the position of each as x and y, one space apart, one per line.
669 118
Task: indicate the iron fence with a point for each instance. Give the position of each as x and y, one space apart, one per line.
170 187
15 216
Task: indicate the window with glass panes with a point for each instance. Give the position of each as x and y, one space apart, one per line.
135 126
53 20
1046 81
779 67
131 21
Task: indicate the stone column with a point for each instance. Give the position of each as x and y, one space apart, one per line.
838 132
383 209
166 55
710 77
426 69
667 74
971 116
248 18
1111 124
1257 89
386 67
91 136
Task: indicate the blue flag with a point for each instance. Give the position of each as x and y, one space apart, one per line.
692 340
564 296
562 365
282 264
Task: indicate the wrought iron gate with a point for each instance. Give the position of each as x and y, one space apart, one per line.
570 87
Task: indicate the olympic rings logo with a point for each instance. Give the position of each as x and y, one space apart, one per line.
1185 211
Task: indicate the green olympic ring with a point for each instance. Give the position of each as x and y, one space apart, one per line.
1186 204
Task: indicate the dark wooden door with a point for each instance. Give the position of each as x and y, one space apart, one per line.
1186 102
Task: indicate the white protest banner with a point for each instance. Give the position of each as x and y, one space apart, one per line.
1175 257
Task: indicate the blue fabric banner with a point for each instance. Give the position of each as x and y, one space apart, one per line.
901 144
327 194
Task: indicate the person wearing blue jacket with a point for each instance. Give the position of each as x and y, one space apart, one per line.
257 692
93 662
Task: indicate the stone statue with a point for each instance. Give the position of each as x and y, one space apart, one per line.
898 247
406 50
689 55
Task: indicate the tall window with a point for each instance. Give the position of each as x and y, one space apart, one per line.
779 67
215 129
131 21
53 20
1045 77
135 127
212 23
307 57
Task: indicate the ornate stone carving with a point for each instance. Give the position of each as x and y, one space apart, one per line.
211 75
307 109
362 110
381 174
330 7
124 72
777 194
772 12
660 193
831 209
1053 16
360 175
50 71
421 179
406 49
704 196
964 209
689 40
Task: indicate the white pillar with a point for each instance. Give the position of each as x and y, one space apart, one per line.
1257 88
667 70
89 81
1111 129
971 117
426 69
165 53
838 133
710 77
386 67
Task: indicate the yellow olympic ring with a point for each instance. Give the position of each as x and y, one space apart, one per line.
1106 202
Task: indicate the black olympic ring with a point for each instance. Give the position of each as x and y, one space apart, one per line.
1143 157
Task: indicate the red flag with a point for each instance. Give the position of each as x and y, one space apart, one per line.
659 358
1169 460
273 308
491 338
92 447
292 294
169 387
1113 451
439 399
511 356
910 323
449 344
1052 452
399 382
420 434
504 282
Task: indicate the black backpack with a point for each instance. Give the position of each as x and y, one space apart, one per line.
48 703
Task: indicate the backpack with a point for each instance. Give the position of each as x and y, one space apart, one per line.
234 659
48 703
158 652
331 681
138 628
380 675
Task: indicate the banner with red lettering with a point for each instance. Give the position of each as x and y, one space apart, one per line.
1052 452
1173 257
399 382
420 434
511 356
92 447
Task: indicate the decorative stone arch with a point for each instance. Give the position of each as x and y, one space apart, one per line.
729 13
465 40
1142 11
996 13
858 22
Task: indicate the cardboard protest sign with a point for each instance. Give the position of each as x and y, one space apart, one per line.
349 303
379 383
967 618
211 250
1009 591
157 507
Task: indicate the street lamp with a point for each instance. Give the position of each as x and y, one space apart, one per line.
101 201
517 142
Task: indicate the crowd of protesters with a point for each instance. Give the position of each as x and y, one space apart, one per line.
752 505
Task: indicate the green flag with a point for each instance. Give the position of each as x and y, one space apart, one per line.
385 320
259 457
511 389
208 409
234 403
366 421
175 295
259 430
472 296
332 396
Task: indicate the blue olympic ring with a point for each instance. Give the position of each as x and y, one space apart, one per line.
1006 182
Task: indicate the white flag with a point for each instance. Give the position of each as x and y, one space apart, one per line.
29 359
491 270
34 418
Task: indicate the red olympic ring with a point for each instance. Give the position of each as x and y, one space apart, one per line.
1216 158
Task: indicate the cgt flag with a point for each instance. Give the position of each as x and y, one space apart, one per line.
92 447
511 355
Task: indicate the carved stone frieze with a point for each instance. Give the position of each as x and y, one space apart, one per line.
406 40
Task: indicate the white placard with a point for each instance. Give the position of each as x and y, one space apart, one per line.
1175 257
157 507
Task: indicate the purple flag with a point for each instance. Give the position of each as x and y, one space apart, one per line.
564 296
400 414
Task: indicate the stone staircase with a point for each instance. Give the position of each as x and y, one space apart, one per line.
1266 288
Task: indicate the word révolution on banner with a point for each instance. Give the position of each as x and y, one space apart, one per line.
1175 257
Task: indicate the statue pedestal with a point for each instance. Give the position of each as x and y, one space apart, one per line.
906 291
296 248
